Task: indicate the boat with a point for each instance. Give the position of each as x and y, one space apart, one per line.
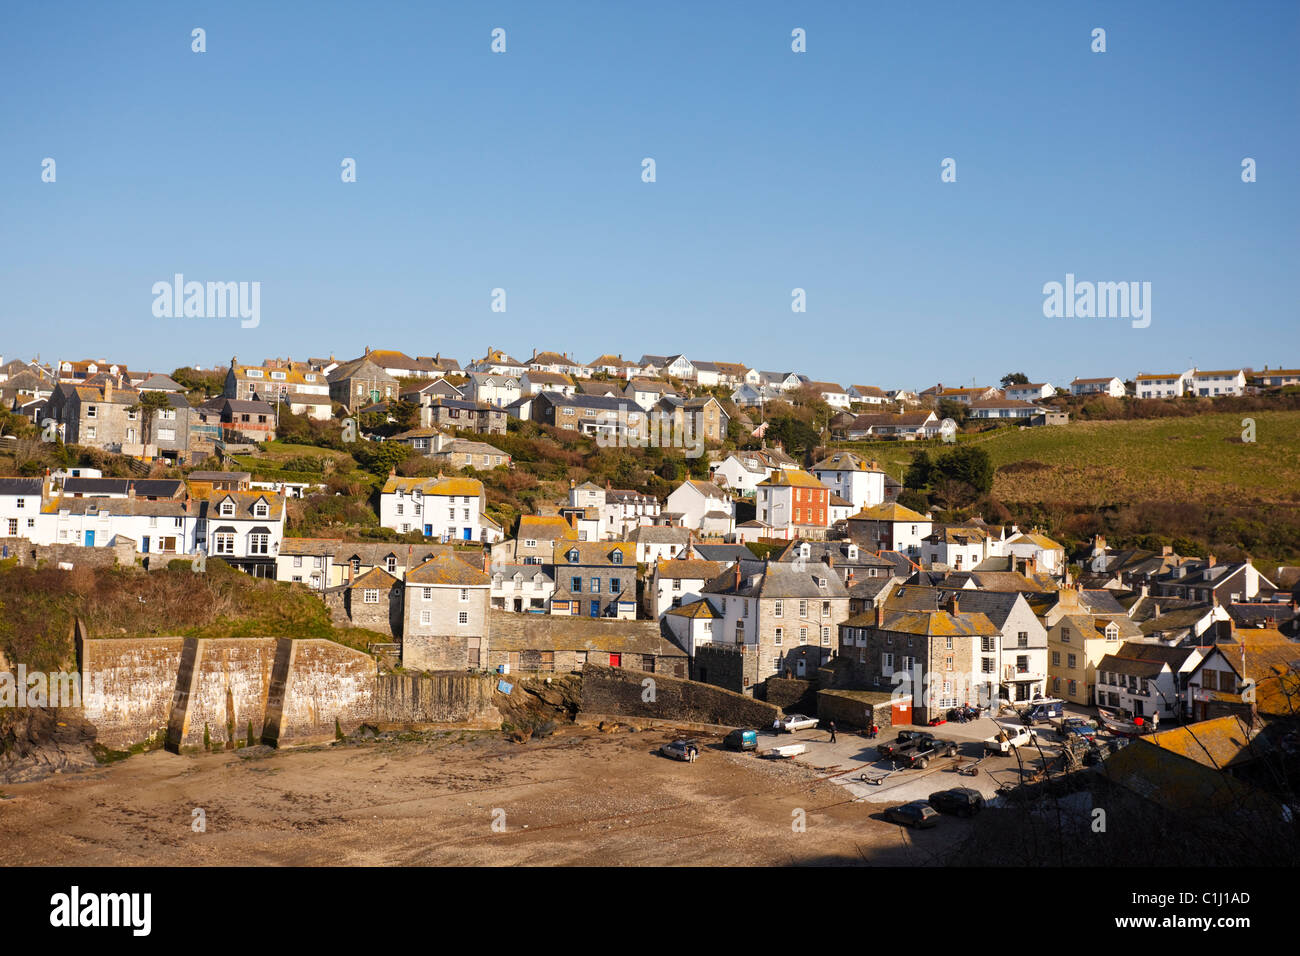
1124 726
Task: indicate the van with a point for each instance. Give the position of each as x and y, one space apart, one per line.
741 740
1043 709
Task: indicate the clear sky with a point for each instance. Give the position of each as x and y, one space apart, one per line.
775 170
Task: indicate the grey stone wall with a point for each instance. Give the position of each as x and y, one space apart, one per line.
623 692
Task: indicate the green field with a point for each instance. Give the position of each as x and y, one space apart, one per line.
1198 458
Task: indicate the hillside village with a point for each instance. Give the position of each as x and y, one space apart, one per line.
779 562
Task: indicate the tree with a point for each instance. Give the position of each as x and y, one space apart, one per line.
967 464
1014 378
147 406
919 471
950 408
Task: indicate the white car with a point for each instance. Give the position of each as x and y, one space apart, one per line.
1010 738
793 722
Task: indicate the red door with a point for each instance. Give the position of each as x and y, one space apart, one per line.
615 660
901 713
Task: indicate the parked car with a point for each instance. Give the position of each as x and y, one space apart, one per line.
1010 738
741 740
918 813
792 722
905 740
963 801
687 750
1077 727
926 749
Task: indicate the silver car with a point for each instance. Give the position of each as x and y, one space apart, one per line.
792 722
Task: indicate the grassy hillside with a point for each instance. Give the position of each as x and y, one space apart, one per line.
1190 481
1096 463
39 606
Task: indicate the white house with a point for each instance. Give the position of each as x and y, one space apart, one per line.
1034 392
449 509
1145 679
658 543
694 623
702 506
20 506
1221 382
959 547
522 588
742 471
535 382
856 479
830 393
1048 555
1112 386
679 581
498 390
647 392
1163 384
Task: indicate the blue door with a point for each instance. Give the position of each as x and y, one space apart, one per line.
90 539
595 609
469 532
428 531
144 544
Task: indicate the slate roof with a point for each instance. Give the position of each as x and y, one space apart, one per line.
446 569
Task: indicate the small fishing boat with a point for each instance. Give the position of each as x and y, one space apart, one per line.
1124 726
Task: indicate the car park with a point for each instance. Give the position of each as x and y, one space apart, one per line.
687 750
962 801
792 722
918 813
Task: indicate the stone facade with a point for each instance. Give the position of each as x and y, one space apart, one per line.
733 667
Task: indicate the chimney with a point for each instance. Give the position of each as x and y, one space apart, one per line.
737 576
953 607
1157 614
1098 544
1166 551
367 349
108 388
830 558
1146 591
880 616
1209 562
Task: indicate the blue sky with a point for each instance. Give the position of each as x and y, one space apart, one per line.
775 170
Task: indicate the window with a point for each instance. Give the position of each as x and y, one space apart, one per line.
575 585
778 610
227 509
1072 662
426 617
426 594
400 508
780 635
616 557
90 411
530 543
826 608
1022 664
826 637
462 617
887 662
947 644
1065 635
1022 639
259 543
1056 658
615 585
1073 687
803 608
947 663
803 635
464 594
390 564
224 543
297 560
371 596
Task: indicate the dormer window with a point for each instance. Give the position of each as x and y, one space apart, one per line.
279 376
390 564
261 509
227 508
572 555
616 557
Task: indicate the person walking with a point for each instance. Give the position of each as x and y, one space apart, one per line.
831 727
874 731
